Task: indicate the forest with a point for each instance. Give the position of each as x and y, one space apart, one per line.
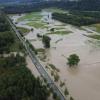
78 18
17 82
82 5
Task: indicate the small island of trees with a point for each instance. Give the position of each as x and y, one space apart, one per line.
46 41
73 60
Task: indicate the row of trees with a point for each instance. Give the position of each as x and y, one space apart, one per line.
78 19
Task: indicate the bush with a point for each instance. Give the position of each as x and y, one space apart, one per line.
54 95
71 98
62 84
73 60
46 41
56 77
66 92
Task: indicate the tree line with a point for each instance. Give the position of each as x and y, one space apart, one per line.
78 18
83 5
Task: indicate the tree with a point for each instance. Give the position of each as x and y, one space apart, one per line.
46 41
73 60
52 29
32 29
71 98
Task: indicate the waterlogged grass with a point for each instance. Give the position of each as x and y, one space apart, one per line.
59 28
31 16
94 36
37 24
96 26
34 20
53 67
62 84
40 50
23 30
56 77
60 32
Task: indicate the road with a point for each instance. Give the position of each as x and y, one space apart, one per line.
37 64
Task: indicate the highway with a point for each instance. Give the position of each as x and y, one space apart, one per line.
37 64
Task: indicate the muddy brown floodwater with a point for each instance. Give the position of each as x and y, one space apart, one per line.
83 82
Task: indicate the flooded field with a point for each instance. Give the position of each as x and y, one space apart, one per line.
83 82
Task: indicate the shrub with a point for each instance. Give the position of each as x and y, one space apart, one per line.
73 60
66 92
46 41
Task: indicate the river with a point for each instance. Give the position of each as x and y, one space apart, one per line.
82 82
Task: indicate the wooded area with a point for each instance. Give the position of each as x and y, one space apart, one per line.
82 5
78 18
16 80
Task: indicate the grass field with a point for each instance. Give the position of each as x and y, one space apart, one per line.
60 32
37 24
30 16
34 19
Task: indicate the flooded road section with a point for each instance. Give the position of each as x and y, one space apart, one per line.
83 82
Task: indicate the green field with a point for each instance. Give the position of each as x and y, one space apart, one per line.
31 16
34 19
23 30
37 24
60 32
